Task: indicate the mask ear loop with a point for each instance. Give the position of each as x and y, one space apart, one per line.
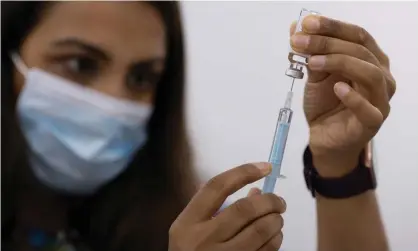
19 64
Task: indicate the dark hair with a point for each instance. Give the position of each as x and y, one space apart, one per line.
135 211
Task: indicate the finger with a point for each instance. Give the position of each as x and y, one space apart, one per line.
359 71
253 191
257 234
365 112
200 186
274 244
321 25
292 28
235 217
210 198
316 44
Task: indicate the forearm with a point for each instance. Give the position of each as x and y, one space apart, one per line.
352 224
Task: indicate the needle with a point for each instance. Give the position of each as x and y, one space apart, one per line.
293 82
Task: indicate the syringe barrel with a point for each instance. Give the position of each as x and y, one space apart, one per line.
285 115
277 149
279 141
296 57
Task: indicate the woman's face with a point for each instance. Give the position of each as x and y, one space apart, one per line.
117 48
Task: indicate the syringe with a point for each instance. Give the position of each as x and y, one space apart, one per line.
279 143
295 71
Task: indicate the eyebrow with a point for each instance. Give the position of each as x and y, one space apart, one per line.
91 49
95 50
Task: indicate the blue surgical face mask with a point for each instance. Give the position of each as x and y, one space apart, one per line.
79 139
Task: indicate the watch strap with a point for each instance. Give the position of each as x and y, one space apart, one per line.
358 181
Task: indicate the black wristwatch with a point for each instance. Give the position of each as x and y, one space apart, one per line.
358 181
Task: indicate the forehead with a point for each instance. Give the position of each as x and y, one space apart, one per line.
121 28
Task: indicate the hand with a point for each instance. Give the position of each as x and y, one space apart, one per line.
253 223
347 93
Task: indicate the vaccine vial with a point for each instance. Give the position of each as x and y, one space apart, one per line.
298 60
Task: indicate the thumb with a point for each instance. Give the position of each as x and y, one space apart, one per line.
253 191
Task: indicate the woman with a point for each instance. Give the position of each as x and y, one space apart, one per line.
117 42
96 153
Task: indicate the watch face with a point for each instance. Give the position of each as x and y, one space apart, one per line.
368 155
369 161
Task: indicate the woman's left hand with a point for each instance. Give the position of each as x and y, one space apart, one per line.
347 93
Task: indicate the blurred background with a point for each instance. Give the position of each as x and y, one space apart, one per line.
237 55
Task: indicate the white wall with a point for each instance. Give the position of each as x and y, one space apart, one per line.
237 57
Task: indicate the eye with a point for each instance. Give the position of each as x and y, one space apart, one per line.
143 77
81 66
142 82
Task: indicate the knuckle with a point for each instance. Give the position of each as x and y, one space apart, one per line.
340 63
246 173
278 241
355 101
377 75
275 243
262 228
385 59
331 26
281 222
386 112
277 222
249 170
233 179
216 183
268 225
391 85
174 238
190 238
245 208
276 203
363 35
324 45
174 229
366 54
375 127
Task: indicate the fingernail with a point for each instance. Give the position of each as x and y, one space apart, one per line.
284 203
341 89
254 191
316 62
300 41
311 24
264 167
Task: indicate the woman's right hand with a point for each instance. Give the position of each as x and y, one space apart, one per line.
253 223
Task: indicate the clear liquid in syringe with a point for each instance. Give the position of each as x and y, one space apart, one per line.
279 145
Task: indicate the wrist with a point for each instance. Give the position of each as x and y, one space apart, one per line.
331 164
